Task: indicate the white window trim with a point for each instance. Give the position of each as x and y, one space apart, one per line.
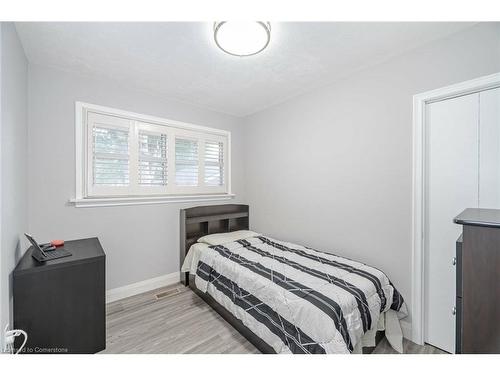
83 200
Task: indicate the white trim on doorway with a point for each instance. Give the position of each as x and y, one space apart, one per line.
418 198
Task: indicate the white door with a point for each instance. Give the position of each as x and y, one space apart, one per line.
462 170
452 185
489 149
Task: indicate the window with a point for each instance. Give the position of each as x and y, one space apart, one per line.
214 163
186 162
127 156
110 156
153 162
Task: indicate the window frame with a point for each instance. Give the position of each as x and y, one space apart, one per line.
88 195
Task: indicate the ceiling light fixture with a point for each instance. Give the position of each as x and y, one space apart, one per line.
242 38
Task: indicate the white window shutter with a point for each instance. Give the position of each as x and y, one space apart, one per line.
214 163
153 163
186 162
110 156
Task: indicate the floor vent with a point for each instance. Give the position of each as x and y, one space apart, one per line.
167 293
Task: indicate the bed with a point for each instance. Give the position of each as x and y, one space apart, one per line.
284 297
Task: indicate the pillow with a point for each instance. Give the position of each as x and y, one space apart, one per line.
222 238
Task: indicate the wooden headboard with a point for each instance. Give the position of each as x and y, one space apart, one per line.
196 222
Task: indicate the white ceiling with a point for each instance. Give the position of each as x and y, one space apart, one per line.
180 59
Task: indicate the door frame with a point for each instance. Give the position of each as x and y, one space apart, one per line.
418 192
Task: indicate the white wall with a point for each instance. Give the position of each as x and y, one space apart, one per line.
14 131
332 169
141 242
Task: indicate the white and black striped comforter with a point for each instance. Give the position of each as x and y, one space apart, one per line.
296 299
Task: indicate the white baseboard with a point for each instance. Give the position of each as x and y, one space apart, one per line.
116 294
406 329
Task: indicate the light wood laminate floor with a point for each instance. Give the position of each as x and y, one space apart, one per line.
181 322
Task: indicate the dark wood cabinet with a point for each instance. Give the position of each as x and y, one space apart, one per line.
478 282
61 303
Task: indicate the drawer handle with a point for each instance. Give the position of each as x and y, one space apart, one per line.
454 311
454 261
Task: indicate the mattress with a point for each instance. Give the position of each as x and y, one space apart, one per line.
297 299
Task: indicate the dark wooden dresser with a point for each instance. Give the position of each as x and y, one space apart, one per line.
61 303
478 282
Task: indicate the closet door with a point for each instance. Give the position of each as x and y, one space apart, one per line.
452 170
489 149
